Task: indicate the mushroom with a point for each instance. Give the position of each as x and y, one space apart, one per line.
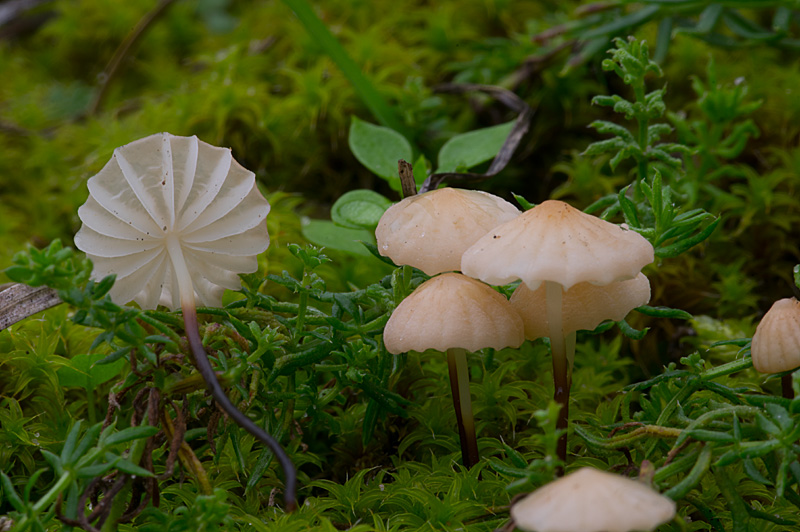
454 313
584 306
560 246
776 342
590 500
175 219
431 231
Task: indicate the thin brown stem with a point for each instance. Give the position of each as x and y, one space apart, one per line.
786 387
462 402
205 369
561 378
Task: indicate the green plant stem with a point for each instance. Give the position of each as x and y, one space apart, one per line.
561 377
121 499
727 369
91 410
462 402
379 108
288 412
643 141
52 494
739 514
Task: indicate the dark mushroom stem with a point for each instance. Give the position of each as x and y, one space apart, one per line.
561 361
462 402
787 390
204 367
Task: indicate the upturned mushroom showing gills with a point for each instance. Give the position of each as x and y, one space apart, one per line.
590 500
776 342
176 219
454 313
431 231
560 246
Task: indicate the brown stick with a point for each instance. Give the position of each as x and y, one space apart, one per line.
122 51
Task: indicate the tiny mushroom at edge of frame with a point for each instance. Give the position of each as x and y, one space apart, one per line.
453 313
776 343
176 219
431 231
590 500
560 246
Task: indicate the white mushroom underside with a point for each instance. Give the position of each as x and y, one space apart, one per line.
584 306
165 185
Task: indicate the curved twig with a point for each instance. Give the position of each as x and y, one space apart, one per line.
122 51
521 125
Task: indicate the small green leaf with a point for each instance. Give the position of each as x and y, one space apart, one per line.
379 148
129 434
471 149
359 209
330 235
83 371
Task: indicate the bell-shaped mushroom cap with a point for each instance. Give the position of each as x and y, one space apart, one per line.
584 306
431 231
165 192
776 343
590 500
556 242
453 311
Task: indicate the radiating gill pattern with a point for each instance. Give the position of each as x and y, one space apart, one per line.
163 187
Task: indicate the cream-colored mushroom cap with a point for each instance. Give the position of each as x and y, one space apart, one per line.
431 231
776 343
590 500
453 311
556 242
164 204
584 306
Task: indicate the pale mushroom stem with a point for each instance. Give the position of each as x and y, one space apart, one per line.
462 402
186 290
561 363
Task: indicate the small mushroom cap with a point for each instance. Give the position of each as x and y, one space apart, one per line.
584 306
431 231
776 343
166 188
590 500
556 242
453 311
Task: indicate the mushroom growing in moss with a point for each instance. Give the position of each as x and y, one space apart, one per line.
590 500
176 219
560 246
431 231
454 313
776 342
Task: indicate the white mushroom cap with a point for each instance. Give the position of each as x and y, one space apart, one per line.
776 343
453 311
431 231
556 242
584 306
590 500
163 199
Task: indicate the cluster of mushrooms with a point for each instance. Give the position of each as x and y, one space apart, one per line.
576 271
